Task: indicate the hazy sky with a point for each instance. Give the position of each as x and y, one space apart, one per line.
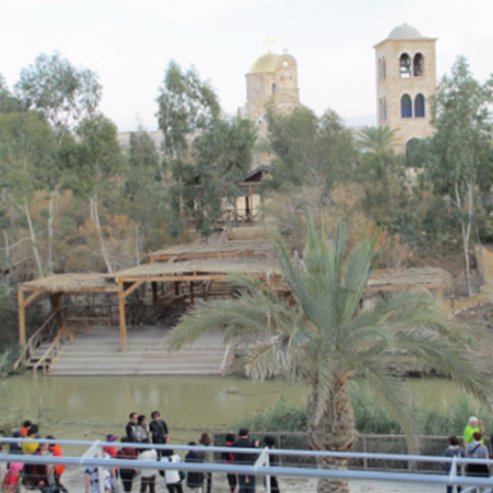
130 42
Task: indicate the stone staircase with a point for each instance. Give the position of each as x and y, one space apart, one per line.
97 352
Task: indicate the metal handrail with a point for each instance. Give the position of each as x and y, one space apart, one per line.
259 467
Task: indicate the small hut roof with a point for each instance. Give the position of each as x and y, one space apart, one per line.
251 248
200 269
74 282
428 277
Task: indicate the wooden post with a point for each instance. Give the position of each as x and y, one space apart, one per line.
56 302
22 317
177 288
122 316
192 300
154 293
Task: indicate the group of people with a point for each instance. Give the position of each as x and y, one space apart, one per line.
138 430
41 477
473 447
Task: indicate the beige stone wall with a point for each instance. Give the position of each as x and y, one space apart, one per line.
391 86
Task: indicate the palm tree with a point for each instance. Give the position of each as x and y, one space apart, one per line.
378 140
328 336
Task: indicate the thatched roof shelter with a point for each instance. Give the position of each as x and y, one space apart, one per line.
195 251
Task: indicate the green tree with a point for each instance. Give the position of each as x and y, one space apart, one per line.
8 102
187 107
206 154
309 150
460 161
27 146
145 192
222 157
329 337
99 163
65 95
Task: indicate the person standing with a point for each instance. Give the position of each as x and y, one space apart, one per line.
246 481
229 458
206 441
453 450
473 425
476 450
195 479
147 476
131 426
172 476
273 461
141 433
58 469
127 474
158 430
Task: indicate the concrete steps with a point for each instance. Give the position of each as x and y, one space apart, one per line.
97 352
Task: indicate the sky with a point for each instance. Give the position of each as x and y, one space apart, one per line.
129 44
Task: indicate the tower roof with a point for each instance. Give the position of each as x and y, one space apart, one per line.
404 31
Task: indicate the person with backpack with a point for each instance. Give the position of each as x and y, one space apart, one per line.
229 458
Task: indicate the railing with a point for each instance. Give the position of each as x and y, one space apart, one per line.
229 354
50 354
92 457
37 339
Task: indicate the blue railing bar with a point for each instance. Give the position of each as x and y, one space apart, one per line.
247 469
282 452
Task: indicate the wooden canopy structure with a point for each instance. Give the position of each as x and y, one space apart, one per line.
202 264
55 286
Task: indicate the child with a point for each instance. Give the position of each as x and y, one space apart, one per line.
454 450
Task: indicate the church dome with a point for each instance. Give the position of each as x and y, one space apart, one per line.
405 31
265 64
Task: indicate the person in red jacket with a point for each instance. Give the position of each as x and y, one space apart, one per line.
58 469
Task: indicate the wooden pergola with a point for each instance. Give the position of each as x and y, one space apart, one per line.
56 286
202 264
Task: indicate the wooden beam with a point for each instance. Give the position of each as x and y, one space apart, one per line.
133 287
192 299
122 317
33 296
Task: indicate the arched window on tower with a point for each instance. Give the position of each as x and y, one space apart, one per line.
405 65
380 73
406 106
419 106
418 65
384 69
384 108
273 88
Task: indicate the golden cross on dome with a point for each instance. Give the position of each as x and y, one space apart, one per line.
269 41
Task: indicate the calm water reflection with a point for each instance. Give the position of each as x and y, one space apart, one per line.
76 407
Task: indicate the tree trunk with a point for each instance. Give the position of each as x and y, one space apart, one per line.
6 242
51 212
93 205
334 430
32 234
465 225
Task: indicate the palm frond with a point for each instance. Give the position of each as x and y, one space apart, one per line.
269 359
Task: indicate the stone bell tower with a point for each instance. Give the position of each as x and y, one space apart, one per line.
406 80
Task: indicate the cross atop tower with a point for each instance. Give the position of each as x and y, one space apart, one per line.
269 41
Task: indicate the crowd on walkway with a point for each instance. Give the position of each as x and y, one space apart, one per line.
48 479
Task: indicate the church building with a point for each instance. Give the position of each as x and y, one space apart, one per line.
406 80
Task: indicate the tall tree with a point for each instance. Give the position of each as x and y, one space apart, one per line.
100 161
328 337
460 164
144 191
187 107
27 145
65 95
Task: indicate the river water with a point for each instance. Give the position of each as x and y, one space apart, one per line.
91 407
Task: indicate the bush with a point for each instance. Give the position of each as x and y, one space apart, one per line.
371 416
